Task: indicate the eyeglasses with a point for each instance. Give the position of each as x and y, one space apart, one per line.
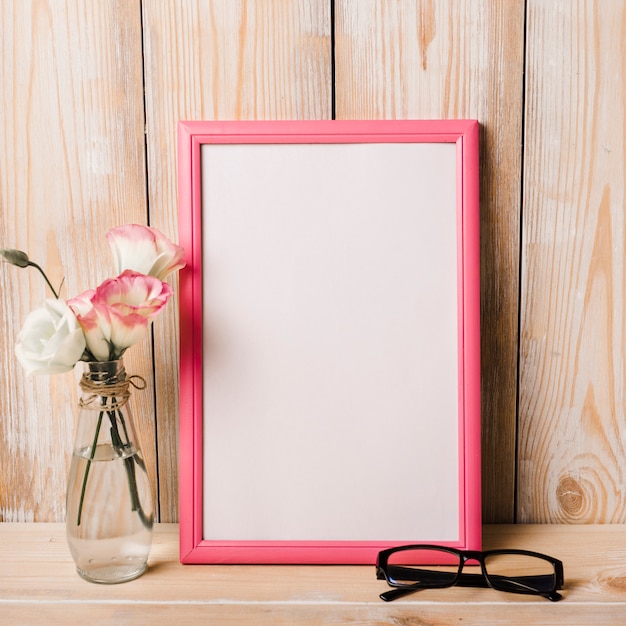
412 568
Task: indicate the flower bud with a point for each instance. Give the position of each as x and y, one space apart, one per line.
16 257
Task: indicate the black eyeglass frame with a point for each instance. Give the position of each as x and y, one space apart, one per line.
463 579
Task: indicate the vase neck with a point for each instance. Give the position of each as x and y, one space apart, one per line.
105 372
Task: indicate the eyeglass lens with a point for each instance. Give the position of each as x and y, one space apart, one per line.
520 573
426 567
516 573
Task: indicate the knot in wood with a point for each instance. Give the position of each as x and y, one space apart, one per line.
571 497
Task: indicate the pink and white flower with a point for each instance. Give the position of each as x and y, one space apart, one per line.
130 301
145 250
96 329
117 314
50 341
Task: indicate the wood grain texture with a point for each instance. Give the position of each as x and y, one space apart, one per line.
78 156
220 59
38 582
71 167
573 341
451 59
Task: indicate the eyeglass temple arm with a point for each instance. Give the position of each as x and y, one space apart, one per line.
433 578
396 592
464 580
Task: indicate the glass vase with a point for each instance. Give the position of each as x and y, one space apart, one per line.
109 506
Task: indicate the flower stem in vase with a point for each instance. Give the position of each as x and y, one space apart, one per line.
92 454
129 461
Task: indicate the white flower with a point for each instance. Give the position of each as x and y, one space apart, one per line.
51 341
144 250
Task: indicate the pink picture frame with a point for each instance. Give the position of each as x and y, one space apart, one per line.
329 339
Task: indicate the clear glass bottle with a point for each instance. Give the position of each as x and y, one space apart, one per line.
109 506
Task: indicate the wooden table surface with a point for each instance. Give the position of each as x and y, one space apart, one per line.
39 585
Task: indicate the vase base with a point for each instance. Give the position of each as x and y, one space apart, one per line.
112 575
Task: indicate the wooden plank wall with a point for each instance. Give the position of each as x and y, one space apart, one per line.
572 436
91 93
